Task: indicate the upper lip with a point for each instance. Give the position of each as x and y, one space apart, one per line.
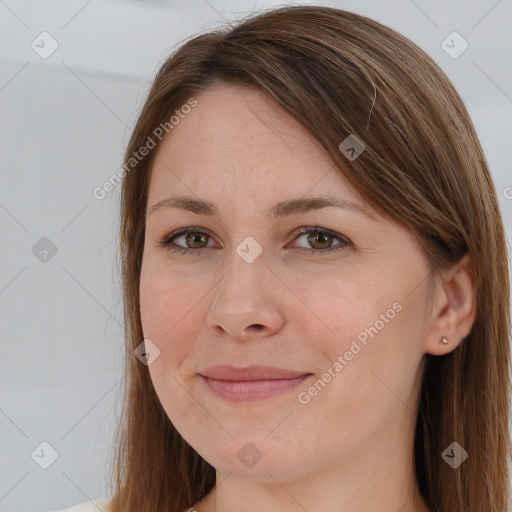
227 372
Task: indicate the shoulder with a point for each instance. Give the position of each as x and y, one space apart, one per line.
97 505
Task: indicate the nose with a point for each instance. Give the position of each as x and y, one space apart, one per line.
246 301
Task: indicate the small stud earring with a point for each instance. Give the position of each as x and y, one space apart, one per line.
444 340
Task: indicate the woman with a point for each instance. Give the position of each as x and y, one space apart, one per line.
315 277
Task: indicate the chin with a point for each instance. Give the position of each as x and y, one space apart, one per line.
259 459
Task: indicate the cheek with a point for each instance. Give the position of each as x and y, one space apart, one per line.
371 307
169 307
371 347
339 309
167 316
166 299
154 301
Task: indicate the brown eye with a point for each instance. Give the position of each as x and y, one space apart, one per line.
321 240
194 240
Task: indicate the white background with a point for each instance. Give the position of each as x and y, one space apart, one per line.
64 124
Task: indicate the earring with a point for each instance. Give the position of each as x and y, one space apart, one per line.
444 340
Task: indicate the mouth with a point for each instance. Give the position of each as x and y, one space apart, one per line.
251 383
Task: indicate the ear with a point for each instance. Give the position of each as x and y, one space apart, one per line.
454 309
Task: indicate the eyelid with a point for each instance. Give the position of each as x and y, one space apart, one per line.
311 229
165 242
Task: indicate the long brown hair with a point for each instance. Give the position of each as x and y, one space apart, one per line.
339 73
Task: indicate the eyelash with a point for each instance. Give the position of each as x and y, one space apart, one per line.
166 242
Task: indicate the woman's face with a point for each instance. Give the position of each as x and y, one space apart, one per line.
345 308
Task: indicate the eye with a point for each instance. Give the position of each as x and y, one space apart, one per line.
196 241
322 239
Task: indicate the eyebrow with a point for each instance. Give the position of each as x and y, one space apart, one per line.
280 210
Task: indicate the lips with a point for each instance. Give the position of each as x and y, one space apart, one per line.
251 383
227 372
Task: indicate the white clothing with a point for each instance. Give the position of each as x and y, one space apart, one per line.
97 505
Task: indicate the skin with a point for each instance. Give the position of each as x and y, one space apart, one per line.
350 448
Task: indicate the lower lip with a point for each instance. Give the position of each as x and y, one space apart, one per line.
242 391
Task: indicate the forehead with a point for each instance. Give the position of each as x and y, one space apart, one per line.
238 138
